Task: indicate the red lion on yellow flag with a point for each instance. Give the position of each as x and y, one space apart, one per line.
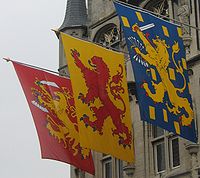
101 98
99 90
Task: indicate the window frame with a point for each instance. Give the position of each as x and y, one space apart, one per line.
167 139
106 160
171 153
156 143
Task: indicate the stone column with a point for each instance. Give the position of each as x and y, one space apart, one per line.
170 8
193 149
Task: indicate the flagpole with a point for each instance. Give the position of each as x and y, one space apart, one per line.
154 13
36 67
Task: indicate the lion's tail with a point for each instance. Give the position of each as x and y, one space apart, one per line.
179 70
124 105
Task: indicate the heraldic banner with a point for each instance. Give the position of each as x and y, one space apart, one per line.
101 97
159 64
51 102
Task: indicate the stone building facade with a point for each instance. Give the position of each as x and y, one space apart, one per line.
158 153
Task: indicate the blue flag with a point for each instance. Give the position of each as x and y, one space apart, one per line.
159 63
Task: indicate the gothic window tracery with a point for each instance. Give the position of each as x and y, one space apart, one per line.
158 6
109 35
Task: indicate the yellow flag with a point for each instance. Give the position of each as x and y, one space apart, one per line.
101 97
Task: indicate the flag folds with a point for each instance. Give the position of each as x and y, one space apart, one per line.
51 102
101 97
159 63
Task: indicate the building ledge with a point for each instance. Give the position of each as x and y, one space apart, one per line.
192 148
178 173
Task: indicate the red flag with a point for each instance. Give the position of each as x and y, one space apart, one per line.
51 103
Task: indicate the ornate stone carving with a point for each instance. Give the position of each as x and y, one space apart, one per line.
183 16
193 150
129 169
187 40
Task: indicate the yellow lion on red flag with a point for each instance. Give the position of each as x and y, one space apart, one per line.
51 102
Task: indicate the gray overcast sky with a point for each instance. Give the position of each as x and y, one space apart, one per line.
26 36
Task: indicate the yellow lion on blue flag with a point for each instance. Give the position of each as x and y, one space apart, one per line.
158 59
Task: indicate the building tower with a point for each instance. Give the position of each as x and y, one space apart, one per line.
74 24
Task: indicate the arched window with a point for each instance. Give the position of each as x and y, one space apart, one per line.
108 35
